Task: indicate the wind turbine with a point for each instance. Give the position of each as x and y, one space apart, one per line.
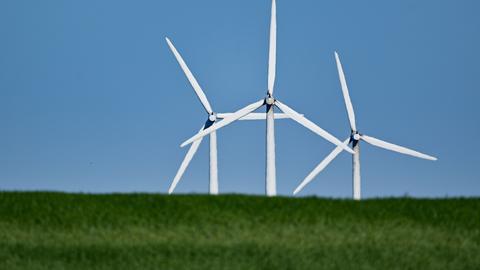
355 138
270 102
212 118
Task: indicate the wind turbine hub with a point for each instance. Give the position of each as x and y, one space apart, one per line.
212 117
356 137
270 100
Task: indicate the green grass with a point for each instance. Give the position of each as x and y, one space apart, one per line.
141 231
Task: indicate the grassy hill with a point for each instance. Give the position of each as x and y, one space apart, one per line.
140 231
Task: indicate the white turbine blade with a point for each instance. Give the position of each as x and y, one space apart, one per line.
235 116
263 116
188 157
395 148
255 116
312 126
272 53
198 90
346 95
320 166
279 116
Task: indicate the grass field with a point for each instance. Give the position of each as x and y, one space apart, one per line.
140 231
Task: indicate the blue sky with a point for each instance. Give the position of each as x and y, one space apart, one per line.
92 100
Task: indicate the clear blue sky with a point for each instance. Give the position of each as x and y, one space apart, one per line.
92 100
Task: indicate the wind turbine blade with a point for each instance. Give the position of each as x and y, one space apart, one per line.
346 95
272 53
263 116
188 157
234 116
321 166
255 116
395 148
312 126
198 90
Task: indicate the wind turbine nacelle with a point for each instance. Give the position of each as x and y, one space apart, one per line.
269 100
212 117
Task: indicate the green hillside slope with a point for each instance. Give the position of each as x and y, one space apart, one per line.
140 231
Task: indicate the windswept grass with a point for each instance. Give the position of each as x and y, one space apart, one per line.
140 231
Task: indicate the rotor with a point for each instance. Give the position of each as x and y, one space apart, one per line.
212 117
269 100
356 136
